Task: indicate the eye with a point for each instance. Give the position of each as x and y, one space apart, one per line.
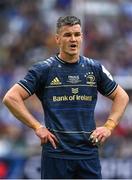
67 34
77 34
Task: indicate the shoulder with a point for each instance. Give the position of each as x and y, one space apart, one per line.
91 62
45 62
42 65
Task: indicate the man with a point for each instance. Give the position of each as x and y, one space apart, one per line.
67 86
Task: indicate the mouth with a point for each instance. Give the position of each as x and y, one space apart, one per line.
73 46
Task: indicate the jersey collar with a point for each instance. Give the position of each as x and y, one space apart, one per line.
64 62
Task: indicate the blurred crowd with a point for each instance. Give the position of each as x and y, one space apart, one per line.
27 30
26 35
110 40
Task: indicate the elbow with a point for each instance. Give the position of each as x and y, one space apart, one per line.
6 100
127 98
9 99
122 96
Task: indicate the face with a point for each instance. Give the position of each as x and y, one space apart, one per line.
69 39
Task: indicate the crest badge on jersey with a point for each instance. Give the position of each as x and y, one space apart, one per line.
75 90
90 79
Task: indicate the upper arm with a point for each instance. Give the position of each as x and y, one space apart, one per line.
17 92
120 92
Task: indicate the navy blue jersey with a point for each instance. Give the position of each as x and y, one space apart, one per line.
68 93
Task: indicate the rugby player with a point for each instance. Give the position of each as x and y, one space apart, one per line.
67 85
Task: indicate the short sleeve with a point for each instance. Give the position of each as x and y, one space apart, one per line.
106 84
34 79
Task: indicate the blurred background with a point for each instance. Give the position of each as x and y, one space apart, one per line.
27 29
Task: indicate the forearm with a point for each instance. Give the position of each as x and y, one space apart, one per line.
15 104
19 110
120 101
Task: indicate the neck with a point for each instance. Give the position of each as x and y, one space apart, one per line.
69 58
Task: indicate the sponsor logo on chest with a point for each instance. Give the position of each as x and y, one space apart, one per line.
74 79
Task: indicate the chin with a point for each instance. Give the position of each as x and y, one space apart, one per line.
73 53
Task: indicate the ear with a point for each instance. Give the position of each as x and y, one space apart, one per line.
57 38
82 35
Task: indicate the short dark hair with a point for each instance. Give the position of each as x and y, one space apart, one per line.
67 20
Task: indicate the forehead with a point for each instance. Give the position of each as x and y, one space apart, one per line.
70 29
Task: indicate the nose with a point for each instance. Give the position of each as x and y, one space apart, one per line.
73 38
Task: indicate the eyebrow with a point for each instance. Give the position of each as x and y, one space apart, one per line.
69 33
